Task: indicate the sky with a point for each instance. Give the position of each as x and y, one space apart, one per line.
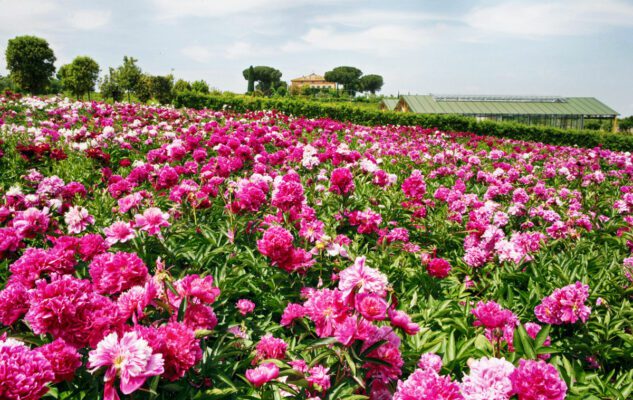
532 47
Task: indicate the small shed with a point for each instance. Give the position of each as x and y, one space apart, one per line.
388 104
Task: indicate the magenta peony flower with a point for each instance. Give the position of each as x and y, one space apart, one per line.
491 315
198 288
288 192
77 219
342 181
178 345
130 358
30 222
371 306
245 306
359 278
537 380
152 220
13 303
400 319
438 268
292 312
565 305
426 384
64 359
262 374
119 232
114 273
489 378
24 373
319 378
326 309
414 187
270 347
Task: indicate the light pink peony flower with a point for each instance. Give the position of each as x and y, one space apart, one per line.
77 219
152 220
130 358
430 361
359 278
489 378
119 232
319 378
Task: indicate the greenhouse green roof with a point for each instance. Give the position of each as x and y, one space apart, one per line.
508 105
390 104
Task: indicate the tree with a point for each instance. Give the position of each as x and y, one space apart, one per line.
346 76
30 61
6 84
161 88
625 124
267 77
200 86
251 80
110 87
80 76
129 75
143 88
181 85
371 83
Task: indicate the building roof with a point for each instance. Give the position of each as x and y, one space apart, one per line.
390 104
507 105
311 77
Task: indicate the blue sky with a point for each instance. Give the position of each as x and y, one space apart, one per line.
534 47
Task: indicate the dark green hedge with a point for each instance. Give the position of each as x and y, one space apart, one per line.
455 123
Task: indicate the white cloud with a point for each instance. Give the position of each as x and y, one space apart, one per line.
551 18
174 9
366 18
197 53
243 49
89 19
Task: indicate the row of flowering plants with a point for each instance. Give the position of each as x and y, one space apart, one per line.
157 253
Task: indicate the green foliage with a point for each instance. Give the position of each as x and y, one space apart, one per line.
80 76
30 61
129 75
364 116
110 87
251 80
346 76
371 83
267 78
181 85
200 86
6 83
143 88
161 88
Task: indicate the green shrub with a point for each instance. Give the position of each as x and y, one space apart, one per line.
362 116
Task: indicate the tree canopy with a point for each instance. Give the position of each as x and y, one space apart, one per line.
80 76
346 76
129 74
110 87
30 61
267 77
200 86
371 83
181 85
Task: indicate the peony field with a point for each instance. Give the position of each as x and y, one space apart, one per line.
151 252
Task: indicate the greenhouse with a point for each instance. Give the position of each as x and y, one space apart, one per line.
557 111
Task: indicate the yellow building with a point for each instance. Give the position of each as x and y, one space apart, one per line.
312 81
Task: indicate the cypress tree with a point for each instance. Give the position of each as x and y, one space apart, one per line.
251 80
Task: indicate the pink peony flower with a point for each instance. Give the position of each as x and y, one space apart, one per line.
565 305
426 384
270 347
489 378
326 309
371 306
262 374
178 345
359 278
292 312
537 380
13 303
319 378
114 273
119 232
342 181
152 220
400 319
288 192
130 358
430 361
77 219
438 268
24 373
198 288
30 222
64 359
245 306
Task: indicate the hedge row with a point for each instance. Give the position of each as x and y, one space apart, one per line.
455 123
